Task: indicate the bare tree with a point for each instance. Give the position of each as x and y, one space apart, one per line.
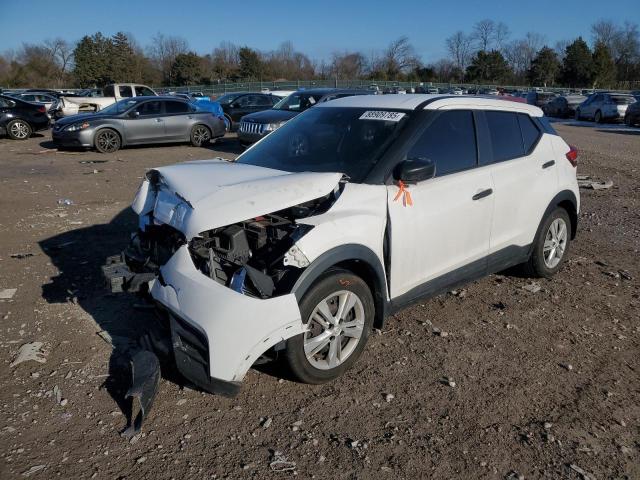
348 65
164 50
561 48
224 62
400 57
460 48
606 32
501 35
61 52
484 33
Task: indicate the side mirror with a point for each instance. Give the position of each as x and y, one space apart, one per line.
414 170
134 114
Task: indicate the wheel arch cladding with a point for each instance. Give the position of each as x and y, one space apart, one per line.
566 200
358 259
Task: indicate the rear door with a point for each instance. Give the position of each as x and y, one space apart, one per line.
177 120
147 126
442 235
522 165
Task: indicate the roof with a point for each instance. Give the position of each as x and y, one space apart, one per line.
433 102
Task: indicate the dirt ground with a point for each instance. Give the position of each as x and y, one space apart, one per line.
493 381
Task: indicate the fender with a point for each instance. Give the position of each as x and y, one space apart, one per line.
564 196
376 277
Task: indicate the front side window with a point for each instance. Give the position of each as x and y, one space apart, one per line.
109 91
143 91
332 139
118 107
450 142
506 138
260 101
125 91
150 108
297 102
227 99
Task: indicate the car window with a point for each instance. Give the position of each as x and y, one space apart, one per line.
29 98
450 141
242 101
172 106
125 91
506 138
143 91
530 133
597 98
150 108
4 103
622 99
260 101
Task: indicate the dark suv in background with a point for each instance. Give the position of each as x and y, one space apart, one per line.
237 105
257 125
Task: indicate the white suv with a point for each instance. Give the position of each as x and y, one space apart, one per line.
346 214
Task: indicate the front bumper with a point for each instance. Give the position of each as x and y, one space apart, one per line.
250 138
79 138
237 328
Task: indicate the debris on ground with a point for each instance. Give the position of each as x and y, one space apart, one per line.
532 287
585 475
388 397
585 181
266 423
32 470
7 293
29 351
22 255
448 381
65 201
279 463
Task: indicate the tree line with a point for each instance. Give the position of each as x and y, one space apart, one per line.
486 54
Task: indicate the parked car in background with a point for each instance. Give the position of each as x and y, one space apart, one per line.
237 105
37 97
350 212
19 119
539 98
255 126
139 120
563 106
68 105
632 115
604 106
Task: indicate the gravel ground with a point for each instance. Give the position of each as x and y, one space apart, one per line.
496 380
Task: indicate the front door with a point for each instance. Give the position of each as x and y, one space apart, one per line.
144 123
442 236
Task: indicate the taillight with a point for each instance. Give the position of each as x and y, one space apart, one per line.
42 109
572 155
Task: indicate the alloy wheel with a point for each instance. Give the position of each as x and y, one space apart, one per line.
555 243
334 330
201 135
19 130
108 141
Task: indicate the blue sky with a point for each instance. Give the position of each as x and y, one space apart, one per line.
317 28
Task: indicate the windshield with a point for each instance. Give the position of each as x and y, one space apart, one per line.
298 101
228 98
623 100
329 139
119 107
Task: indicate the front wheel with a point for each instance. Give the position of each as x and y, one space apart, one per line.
200 136
551 245
19 130
338 313
107 141
598 117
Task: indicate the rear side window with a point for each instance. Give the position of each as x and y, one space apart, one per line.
506 138
176 107
125 91
530 133
450 141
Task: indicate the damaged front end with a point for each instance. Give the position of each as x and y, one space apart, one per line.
219 261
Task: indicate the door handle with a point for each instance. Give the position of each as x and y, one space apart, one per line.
548 164
482 194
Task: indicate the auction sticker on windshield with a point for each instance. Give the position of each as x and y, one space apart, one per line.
382 115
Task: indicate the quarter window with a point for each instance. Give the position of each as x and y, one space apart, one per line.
450 142
530 132
506 138
125 91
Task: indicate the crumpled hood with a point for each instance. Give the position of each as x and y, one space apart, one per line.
221 193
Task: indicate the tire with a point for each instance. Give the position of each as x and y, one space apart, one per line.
546 259
107 140
200 135
598 117
329 339
19 129
577 116
228 124
627 121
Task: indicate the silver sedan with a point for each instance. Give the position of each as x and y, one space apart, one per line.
139 120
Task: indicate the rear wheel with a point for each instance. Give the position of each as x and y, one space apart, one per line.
338 313
19 130
107 141
598 117
551 245
200 135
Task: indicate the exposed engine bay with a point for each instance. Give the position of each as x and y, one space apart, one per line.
254 257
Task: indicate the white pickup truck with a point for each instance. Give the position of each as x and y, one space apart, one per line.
66 106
